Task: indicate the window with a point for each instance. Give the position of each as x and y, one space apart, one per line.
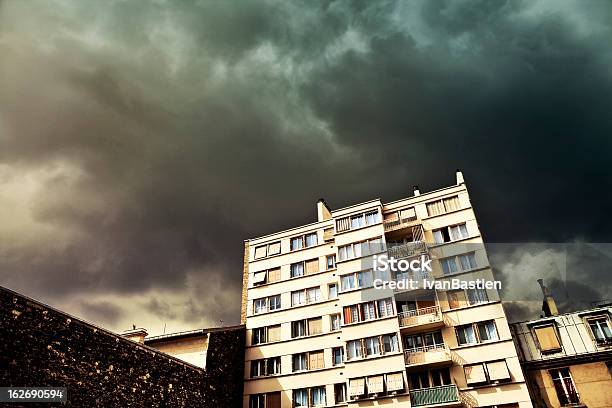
376 384
259 278
372 218
353 349
315 326
258 335
390 343
372 346
332 292
300 397
600 327
357 221
547 338
312 266
449 265
475 374
448 234
265 367
440 377
263 251
331 262
395 382
274 275
487 331
328 234
274 248
465 334
385 307
443 206
348 282
335 322
476 296
265 334
369 310
498 370
431 340
298 297
337 356
316 360
260 305
339 393
298 328
356 387
359 249
299 362
257 401
313 295
362 279
318 396
297 269
343 224
564 386
456 298
303 241
467 261
274 302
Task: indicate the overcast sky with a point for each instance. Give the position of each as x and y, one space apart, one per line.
142 142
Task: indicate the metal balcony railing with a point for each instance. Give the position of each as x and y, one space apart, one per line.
436 353
424 315
407 250
434 395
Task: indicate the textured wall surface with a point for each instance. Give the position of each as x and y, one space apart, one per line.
41 346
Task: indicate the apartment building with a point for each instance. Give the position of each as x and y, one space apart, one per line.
321 333
567 358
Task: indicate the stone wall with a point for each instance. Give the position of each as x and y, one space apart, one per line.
41 346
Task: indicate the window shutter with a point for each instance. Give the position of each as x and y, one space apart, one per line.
274 248
274 275
356 387
274 333
408 213
451 204
475 374
259 278
260 252
547 338
312 361
395 382
435 208
375 384
314 326
328 234
273 400
498 370
312 266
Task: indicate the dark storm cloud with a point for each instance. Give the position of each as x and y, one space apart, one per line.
141 142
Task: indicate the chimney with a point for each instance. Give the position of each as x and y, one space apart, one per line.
134 334
549 307
323 211
460 179
416 190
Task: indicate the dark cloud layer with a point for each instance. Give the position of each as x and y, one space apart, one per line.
141 142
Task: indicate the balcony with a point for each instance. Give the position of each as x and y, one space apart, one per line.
400 223
407 250
424 318
444 394
437 355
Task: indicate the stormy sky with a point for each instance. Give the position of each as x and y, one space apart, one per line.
142 142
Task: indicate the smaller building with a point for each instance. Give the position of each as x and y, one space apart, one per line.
567 358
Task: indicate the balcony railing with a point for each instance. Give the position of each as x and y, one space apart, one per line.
436 353
407 250
434 395
392 225
416 317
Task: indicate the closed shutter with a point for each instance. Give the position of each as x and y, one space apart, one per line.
343 224
328 234
498 370
274 248
314 326
260 251
435 208
451 204
391 217
408 213
274 275
273 400
547 338
274 333
356 387
456 299
395 382
312 266
259 278
312 361
375 384
475 374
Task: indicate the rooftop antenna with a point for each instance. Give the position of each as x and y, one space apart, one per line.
164 327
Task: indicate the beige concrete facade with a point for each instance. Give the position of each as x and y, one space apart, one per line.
400 348
567 358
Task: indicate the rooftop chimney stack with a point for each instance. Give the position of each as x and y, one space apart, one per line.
323 211
549 306
416 191
136 334
460 179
